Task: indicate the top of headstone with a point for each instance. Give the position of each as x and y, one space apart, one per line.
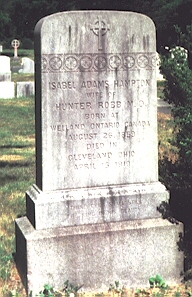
115 25
5 64
95 99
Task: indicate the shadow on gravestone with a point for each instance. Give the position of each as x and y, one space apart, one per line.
92 216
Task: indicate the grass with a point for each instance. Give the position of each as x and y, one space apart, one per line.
160 88
17 173
17 77
165 136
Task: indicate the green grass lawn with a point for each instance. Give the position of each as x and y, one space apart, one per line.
17 173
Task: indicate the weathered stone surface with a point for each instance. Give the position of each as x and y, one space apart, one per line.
96 96
97 157
27 66
25 89
97 255
7 90
5 73
5 77
94 205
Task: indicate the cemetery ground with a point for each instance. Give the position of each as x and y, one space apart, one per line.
17 173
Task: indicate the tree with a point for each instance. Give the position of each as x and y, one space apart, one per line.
5 19
18 17
25 15
178 92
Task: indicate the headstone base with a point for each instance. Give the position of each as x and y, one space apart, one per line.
96 255
96 205
25 89
5 77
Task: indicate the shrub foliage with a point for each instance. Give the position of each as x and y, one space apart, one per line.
178 92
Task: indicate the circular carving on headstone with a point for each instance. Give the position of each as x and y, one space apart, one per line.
71 62
43 63
100 62
55 63
129 61
143 61
114 61
86 62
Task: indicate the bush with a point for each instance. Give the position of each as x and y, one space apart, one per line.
178 92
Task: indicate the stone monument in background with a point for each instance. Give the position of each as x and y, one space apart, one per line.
15 44
92 216
27 65
6 85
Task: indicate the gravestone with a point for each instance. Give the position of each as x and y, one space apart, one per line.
5 72
25 89
92 216
6 86
27 66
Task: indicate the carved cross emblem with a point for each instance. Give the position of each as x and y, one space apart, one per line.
100 28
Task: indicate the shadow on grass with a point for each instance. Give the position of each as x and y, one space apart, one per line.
14 164
12 146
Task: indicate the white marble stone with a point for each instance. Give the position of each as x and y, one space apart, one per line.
96 255
100 121
94 205
7 90
27 66
92 216
4 64
5 72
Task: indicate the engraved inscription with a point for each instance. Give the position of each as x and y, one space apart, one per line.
105 140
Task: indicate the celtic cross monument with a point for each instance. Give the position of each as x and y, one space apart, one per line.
15 44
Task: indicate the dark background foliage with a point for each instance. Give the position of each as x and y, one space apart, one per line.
18 17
